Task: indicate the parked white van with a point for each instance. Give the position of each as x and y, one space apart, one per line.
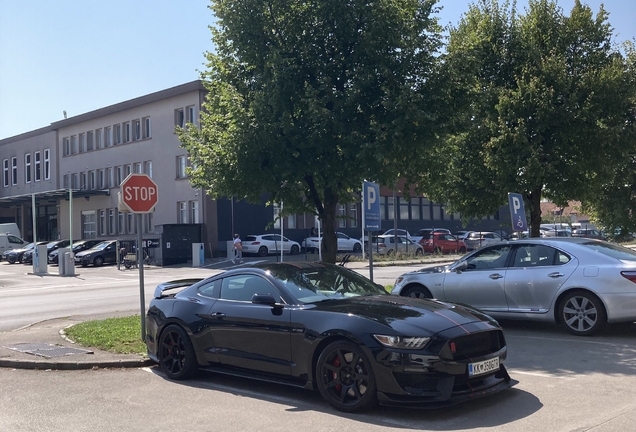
10 228
9 241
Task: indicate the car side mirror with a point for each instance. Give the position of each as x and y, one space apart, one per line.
459 266
265 299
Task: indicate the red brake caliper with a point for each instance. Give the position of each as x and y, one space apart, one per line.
336 363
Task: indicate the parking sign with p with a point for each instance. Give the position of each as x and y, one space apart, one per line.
371 206
517 212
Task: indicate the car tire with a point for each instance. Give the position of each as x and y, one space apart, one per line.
357 248
417 292
98 261
462 250
294 250
263 251
11 261
345 377
390 252
176 354
419 252
437 250
582 313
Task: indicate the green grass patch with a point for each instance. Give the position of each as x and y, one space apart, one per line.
388 288
118 335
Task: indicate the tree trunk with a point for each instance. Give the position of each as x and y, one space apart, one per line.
329 240
535 212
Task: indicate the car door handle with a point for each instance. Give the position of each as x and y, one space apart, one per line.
495 276
556 275
218 315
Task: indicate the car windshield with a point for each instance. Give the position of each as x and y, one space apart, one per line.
315 284
52 244
612 250
101 246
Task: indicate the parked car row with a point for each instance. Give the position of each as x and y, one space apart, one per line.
86 252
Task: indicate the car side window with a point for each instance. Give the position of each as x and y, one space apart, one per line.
489 258
243 288
207 289
14 239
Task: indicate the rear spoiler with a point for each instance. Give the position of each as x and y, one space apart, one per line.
167 286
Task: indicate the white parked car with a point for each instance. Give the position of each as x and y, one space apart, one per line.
345 243
266 244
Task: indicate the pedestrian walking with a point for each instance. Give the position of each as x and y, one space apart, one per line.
238 249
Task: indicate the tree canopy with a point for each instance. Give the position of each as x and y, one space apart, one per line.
309 98
542 99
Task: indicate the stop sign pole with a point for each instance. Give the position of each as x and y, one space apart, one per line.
139 194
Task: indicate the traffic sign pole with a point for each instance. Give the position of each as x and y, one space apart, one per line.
140 261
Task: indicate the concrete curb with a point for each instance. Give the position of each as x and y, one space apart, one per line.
54 365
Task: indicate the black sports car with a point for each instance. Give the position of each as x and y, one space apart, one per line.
325 327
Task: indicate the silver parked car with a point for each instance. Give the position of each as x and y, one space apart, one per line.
385 245
578 282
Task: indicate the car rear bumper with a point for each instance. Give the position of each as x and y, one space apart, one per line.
620 307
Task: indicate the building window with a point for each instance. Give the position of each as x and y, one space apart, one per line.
127 132
88 224
404 208
27 168
136 130
191 115
110 180
14 171
390 208
66 183
99 139
277 215
138 167
108 136
182 207
111 221
437 212
149 226
75 181
291 221
91 180
120 172
73 144
5 172
415 208
128 170
100 181
121 222
38 166
181 166
84 183
342 213
117 134
382 208
148 168
179 117
66 146
353 214
102 222
130 223
82 143
426 209
194 211
89 141
146 125
47 164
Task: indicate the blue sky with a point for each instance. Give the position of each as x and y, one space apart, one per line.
79 55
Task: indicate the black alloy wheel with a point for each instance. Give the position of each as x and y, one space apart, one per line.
419 252
418 292
357 248
98 261
294 250
582 313
262 251
176 355
345 378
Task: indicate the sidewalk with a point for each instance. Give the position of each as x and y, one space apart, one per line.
47 337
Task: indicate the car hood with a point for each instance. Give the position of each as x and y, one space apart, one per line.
407 315
429 270
85 252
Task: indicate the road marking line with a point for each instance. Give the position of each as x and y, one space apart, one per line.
540 375
509 335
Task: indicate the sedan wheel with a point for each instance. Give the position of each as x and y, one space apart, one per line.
345 377
582 313
176 355
357 248
419 252
418 292
390 252
262 251
98 261
294 250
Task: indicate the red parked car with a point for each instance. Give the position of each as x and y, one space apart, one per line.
440 242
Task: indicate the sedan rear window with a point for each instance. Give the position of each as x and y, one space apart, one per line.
612 250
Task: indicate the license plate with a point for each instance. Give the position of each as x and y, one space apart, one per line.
483 367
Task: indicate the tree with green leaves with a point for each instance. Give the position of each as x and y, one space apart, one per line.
542 99
309 98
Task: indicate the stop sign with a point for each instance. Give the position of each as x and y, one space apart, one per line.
139 193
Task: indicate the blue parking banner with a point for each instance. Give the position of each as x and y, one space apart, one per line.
517 212
371 206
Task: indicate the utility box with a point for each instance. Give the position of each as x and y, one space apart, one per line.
198 255
40 259
69 262
230 249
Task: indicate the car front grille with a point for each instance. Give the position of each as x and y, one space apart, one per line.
476 344
416 381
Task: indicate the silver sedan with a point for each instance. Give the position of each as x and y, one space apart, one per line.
580 283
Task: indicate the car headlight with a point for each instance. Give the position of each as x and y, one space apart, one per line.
398 280
402 342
